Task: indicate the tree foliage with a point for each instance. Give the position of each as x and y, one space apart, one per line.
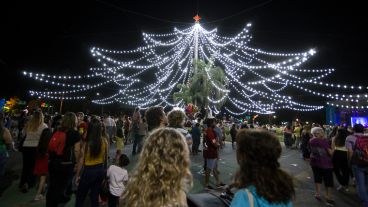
200 87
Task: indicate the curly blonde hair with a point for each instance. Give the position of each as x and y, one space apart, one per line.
162 175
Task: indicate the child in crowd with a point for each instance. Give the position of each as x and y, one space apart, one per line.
118 178
119 142
41 166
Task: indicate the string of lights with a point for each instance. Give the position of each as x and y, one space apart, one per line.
258 80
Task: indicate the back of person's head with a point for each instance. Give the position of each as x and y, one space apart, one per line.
258 152
197 124
123 160
317 132
155 116
94 137
176 118
56 121
211 122
68 122
162 173
340 137
358 128
307 129
35 122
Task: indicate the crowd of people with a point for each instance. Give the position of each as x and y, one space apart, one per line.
70 154
340 150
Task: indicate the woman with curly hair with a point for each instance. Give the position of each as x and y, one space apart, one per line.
260 180
162 176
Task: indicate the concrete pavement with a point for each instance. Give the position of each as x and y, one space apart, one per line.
291 162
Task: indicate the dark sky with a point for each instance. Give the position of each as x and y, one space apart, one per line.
55 36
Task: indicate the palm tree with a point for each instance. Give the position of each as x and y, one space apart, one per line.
201 86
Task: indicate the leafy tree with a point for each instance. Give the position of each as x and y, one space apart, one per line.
200 87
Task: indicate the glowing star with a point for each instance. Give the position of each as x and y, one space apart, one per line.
197 18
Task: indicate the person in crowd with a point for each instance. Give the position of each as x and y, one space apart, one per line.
306 136
5 141
211 155
93 158
118 178
297 135
260 180
140 134
56 122
119 142
110 127
196 136
288 132
340 159
120 122
176 119
244 125
219 134
354 142
63 150
321 163
332 133
82 125
33 131
41 166
233 132
155 117
162 176
127 124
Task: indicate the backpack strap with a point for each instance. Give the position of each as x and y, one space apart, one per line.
250 197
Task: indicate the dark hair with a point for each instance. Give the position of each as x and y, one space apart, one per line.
340 137
210 122
124 160
56 120
197 124
119 132
44 142
176 118
154 115
94 137
358 128
258 152
2 117
334 132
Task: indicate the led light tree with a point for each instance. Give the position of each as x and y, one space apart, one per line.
256 81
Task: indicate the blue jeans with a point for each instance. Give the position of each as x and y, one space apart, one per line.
138 143
361 177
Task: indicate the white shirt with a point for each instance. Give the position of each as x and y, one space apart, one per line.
109 122
33 137
117 176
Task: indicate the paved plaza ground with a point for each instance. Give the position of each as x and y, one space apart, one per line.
290 161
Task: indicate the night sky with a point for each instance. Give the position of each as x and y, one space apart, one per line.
55 36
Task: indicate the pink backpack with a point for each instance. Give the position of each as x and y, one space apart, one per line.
360 154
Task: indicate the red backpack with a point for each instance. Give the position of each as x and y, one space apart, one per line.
57 143
360 154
